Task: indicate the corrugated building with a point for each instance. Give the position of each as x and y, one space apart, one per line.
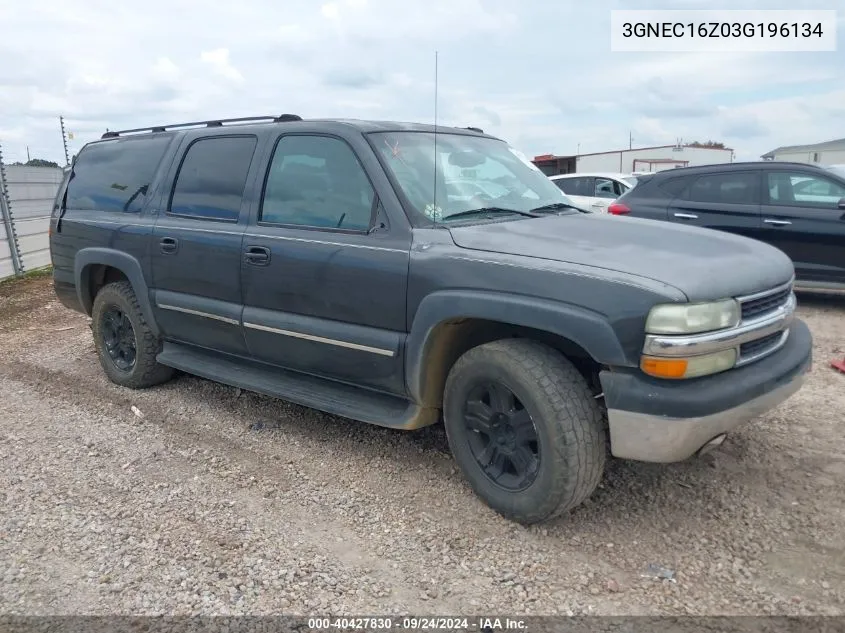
641 159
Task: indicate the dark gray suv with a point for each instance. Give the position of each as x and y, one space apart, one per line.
796 207
342 265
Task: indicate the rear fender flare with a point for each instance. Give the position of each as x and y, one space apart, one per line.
123 262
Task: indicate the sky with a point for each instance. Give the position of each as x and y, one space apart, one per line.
538 73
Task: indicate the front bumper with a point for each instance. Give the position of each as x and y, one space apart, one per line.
664 421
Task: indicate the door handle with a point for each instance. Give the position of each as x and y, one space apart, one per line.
686 216
257 255
169 244
777 222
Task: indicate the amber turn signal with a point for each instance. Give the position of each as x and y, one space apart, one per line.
664 367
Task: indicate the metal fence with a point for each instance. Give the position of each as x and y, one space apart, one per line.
26 199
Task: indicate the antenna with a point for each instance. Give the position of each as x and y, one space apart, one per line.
434 211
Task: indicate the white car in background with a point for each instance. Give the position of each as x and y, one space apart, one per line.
836 169
595 192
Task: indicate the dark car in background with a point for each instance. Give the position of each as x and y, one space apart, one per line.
796 207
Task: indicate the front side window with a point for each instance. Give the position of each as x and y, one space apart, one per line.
803 190
463 174
212 178
730 188
317 181
115 175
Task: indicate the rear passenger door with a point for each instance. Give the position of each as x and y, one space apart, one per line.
726 201
324 272
802 217
196 246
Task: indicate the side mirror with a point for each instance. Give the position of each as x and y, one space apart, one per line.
841 203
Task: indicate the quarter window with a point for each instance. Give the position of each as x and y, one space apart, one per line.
730 188
212 178
317 181
115 175
804 190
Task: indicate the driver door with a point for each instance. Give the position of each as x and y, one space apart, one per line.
324 273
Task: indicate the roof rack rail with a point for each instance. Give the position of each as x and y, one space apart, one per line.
475 129
282 118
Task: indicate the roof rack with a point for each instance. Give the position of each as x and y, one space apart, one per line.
282 118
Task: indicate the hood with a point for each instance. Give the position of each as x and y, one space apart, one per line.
704 264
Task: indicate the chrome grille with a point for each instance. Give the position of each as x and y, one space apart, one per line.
762 303
754 350
759 306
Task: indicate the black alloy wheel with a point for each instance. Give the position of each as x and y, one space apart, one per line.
119 338
502 436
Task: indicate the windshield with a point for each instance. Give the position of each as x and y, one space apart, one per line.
472 173
631 180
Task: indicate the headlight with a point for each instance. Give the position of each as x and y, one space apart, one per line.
690 318
689 367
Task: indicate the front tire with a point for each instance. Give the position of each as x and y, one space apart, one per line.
524 428
126 346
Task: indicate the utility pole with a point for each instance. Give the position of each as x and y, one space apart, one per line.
27 154
630 140
64 140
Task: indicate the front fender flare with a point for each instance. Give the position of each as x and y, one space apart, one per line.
123 262
588 329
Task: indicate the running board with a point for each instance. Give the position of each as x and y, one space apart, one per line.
309 391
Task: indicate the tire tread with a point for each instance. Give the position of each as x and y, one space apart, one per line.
147 372
577 425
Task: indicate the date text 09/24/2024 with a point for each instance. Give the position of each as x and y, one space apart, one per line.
480 624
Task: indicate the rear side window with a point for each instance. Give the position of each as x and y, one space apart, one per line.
731 188
673 186
115 175
212 178
575 186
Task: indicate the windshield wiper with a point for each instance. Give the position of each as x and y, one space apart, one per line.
556 206
490 210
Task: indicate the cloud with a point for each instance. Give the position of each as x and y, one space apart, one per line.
330 11
165 68
536 73
743 126
487 115
657 99
218 59
352 78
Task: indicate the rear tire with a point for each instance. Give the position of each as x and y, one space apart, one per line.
126 346
524 428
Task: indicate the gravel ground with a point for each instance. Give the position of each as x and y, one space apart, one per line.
216 501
